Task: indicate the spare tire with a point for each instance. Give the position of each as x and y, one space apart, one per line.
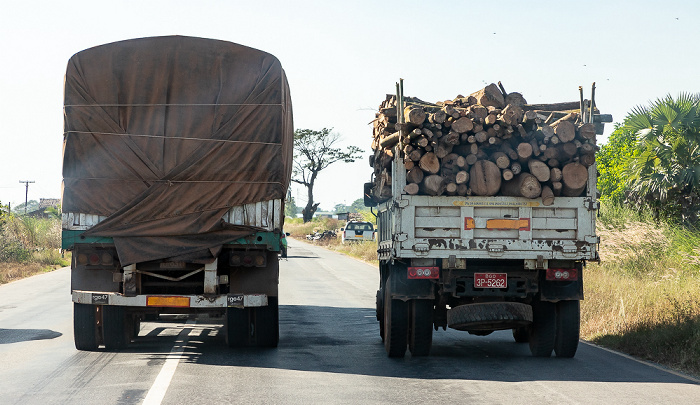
489 316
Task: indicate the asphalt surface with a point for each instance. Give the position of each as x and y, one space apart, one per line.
329 352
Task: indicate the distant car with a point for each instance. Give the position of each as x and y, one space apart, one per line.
357 231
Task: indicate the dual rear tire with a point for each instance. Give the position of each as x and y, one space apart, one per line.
258 326
555 328
405 324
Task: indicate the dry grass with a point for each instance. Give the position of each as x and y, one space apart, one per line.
644 296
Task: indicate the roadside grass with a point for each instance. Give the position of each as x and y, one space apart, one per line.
30 246
643 298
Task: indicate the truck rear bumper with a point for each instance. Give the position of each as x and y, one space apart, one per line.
171 301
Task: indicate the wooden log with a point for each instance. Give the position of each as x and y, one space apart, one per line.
507 174
570 117
523 185
485 178
556 188
574 179
555 174
451 188
411 189
415 175
461 162
471 159
433 185
565 131
490 119
489 96
482 136
414 115
416 155
567 150
389 141
462 189
477 112
515 99
587 160
587 131
461 177
452 138
443 149
408 163
422 141
462 125
516 168
524 150
587 148
547 196
535 147
501 160
539 170
429 163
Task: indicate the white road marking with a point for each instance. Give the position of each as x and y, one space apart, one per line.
160 385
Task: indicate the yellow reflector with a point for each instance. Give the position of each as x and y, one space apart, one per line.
522 224
163 301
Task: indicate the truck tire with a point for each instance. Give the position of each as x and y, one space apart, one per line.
266 331
237 327
543 329
395 324
489 316
568 317
115 329
380 312
420 335
521 334
85 327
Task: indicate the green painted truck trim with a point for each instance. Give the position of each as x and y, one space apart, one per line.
269 239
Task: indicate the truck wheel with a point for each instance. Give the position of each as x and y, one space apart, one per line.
380 312
543 329
395 324
521 334
420 336
568 316
115 329
85 327
266 331
237 326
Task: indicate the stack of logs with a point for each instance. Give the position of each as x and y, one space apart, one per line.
490 143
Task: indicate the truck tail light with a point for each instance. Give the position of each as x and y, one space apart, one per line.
419 273
248 259
562 274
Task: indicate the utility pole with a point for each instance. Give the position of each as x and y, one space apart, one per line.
26 194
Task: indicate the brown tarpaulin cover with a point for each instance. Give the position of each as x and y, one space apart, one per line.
164 135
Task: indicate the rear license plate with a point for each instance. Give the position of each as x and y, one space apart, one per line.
490 280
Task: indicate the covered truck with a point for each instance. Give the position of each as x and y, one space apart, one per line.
486 217
177 156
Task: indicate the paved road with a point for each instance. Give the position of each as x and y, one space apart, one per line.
329 352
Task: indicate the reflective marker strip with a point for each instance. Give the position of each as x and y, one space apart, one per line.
167 301
522 224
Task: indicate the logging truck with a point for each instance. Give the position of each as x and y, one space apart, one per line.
177 158
486 211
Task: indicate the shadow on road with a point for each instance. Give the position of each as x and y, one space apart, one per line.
23 335
346 340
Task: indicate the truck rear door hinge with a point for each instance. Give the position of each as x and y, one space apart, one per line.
591 204
591 239
400 237
421 247
400 203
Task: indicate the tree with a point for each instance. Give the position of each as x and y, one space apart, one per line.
358 205
290 208
664 173
341 208
313 152
612 163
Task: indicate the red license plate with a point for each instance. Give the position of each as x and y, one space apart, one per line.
490 280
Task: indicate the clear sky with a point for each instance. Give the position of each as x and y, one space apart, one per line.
341 58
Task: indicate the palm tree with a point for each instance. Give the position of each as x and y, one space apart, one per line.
664 173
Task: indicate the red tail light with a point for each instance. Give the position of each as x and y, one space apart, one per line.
562 274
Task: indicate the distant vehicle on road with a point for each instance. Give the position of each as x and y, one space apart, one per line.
356 231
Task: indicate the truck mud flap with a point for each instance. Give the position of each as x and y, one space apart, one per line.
405 289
